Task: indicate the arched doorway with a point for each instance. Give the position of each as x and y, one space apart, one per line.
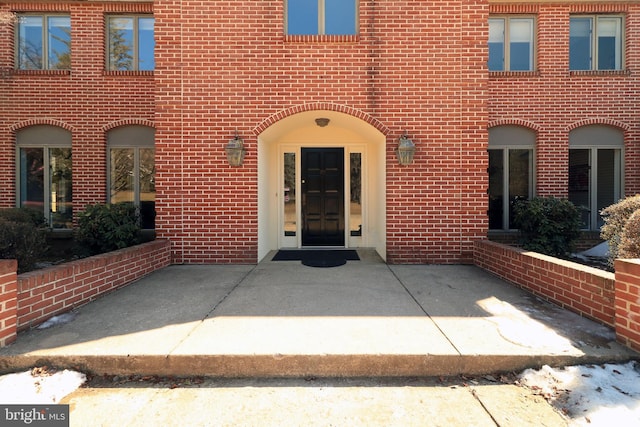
321 183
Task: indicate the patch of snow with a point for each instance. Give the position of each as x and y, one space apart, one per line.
60 319
598 251
591 395
29 388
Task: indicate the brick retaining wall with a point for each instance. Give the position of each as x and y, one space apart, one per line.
8 301
579 288
31 298
608 298
628 302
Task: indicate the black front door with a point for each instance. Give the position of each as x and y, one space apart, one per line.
322 197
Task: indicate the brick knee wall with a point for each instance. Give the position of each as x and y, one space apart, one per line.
44 293
8 301
628 302
582 289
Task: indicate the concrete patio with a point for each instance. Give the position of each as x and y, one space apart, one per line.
283 319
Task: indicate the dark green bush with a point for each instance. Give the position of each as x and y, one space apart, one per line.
630 239
615 218
547 225
22 237
24 215
103 228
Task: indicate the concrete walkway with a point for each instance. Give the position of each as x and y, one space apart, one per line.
282 319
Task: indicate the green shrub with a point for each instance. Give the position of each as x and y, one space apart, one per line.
615 218
547 225
24 215
22 237
103 228
630 239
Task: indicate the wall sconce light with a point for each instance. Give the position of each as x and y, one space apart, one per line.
406 150
322 121
235 151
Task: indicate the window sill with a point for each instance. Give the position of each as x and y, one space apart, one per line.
601 73
136 73
323 38
511 74
42 72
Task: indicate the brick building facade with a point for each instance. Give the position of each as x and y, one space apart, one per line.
490 123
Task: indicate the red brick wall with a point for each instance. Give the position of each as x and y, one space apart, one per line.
47 292
8 301
418 67
585 290
628 302
224 66
554 101
87 101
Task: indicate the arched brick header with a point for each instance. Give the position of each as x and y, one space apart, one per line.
514 122
129 122
320 106
34 122
599 121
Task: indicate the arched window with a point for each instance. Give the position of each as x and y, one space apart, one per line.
131 165
595 170
511 172
44 173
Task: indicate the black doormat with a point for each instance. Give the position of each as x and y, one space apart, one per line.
318 257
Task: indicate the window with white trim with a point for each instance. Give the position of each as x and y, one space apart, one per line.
316 17
511 172
596 43
511 43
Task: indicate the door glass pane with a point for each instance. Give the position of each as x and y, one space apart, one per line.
579 183
121 175
355 216
340 17
302 17
519 178
61 189
59 41
496 185
147 188
608 181
32 179
30 43
290 194
580 44
521 44
496 44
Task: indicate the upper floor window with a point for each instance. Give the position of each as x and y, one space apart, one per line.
595 43
130 43
43 42
313 17
511 46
